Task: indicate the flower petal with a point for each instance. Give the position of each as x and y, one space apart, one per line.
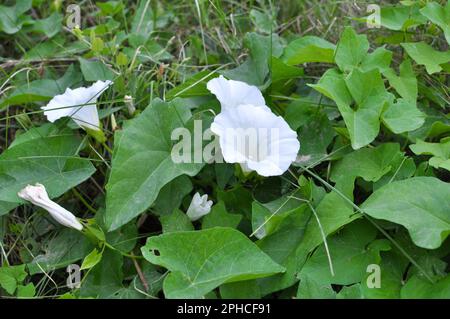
253 136
232 93
79 104
199 207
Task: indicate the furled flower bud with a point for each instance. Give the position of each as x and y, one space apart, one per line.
37 195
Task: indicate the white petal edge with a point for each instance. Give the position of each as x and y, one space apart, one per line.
231 93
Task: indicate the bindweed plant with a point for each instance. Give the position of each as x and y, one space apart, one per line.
164 149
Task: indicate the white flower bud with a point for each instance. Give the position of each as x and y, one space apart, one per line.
37 195
128 100
199 207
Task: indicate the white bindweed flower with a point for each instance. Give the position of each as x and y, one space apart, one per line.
38 196
232 93
249 133
257 139
79 104
199 207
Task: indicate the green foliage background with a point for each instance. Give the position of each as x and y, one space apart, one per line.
370 186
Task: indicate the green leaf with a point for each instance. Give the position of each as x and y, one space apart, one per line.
49 26
425 55
421 204
392 268
11 276
248 289
421 288
263 21
436 125
66 248
200 261
224 172
255 69
333 212
369 94
353 248
11 20
172 194
125 238
237 200
219 217
311 288
27 291
273 214
282 71
176 221
308 49
95 70
315 136
367 90
400 17
438 15
284 236
284 233
92 259
406 83
350 292
142 162
379 59
440 152
95 232
37 132
402 116
42 90
369 163
143 19
193 86
351 50
56 47
51 161
110 7
153 278
105 280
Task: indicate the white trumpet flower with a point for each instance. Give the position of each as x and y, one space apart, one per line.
249 133
199 207
79 104
37 195
256 139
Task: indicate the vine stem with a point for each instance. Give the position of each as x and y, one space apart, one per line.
81 198
107 148
121 252
322 232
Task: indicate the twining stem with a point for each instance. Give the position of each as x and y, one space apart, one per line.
85 203
322 232
121 252
107 148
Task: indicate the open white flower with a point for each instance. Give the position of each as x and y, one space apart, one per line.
257 139
199 207
249 133
79 104
232 93
37 195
